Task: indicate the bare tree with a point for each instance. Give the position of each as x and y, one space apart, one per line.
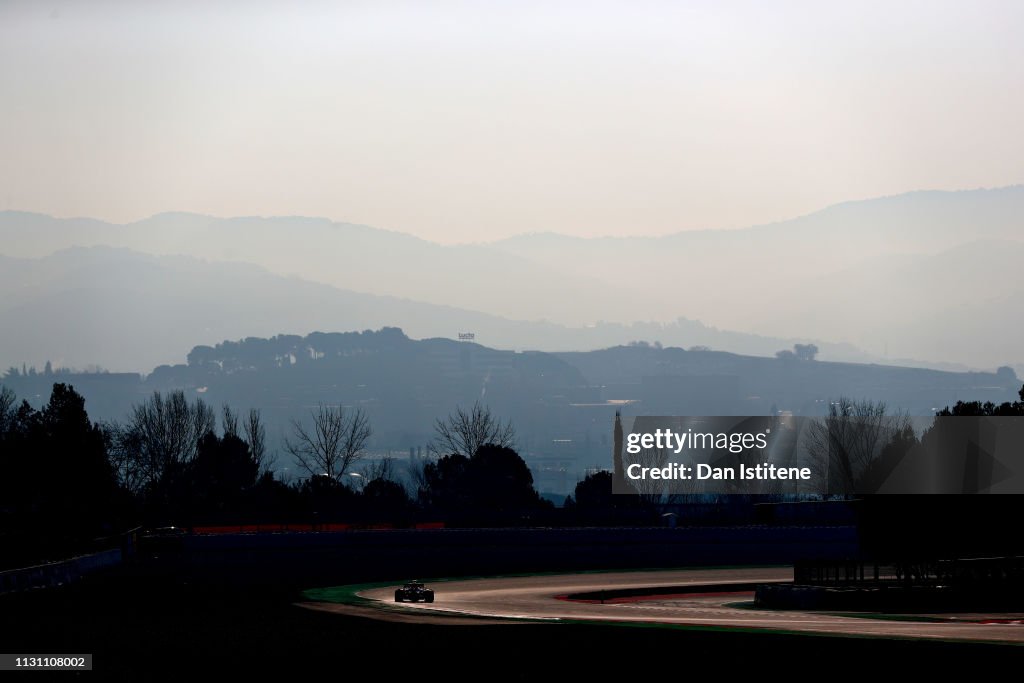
161 435
846 442
336 440
7 401
250 429
465 432
384 468
256 437
650 490
229 420
417 477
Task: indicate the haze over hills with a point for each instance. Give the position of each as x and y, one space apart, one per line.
354 257
962 302
874 273
123 310
561 404
926 276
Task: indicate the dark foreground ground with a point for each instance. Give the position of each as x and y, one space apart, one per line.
164 629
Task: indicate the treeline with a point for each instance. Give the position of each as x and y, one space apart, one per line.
987 408
58 487
13 373
858 444
256 353
66 481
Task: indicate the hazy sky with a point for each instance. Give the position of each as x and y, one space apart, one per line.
460 121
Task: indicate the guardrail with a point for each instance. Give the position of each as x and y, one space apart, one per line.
58 573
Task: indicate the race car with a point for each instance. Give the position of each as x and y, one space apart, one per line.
414 591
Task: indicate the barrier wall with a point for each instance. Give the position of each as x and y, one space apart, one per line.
57 573
356 556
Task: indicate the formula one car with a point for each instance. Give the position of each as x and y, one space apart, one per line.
414 591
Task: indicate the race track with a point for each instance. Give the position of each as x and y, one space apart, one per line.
544 598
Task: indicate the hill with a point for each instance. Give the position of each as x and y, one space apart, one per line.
562 404
927 276
127 311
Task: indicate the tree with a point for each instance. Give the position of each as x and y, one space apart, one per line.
7 401
986 409
799 352
444 485
594 492
328 499
805 351
256 438
502 478
846 444
652 491
495 486
160 438
250 429
465 432
386 499
221 472
56 474
229 420
596 503
379 470
335 442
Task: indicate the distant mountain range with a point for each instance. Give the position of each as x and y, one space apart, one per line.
925 277
123 310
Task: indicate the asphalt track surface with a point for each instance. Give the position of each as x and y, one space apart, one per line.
543 598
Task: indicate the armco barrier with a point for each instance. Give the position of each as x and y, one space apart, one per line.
57 573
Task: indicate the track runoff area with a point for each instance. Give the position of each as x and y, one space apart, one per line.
698 598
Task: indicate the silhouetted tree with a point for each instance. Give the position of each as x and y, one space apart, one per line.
222 471
8 399
57 487
256 438
503 478
463 432
327 499
228 420
336 440
380 469
73 452
594 492
986 409
494 486
272 500
159 439
596 503
445 484
384 499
